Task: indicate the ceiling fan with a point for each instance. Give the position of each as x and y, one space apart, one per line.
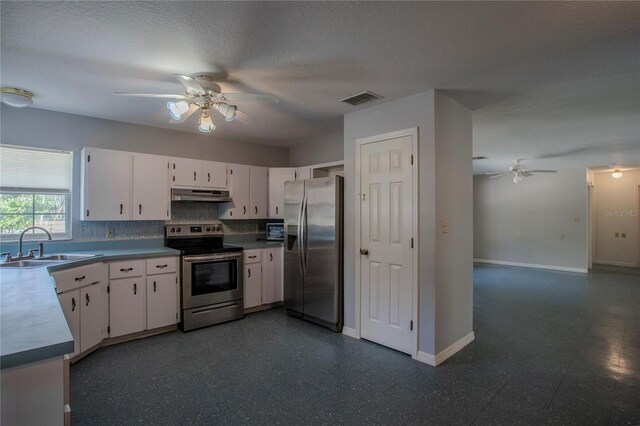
203 94
518 171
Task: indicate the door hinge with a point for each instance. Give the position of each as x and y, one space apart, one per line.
108 289
108 329
411 242
176 316
411 325
295 175
167 213
167 166
88 158
412 159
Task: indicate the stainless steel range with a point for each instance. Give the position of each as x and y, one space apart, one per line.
211 275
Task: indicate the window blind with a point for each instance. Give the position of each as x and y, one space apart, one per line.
35 168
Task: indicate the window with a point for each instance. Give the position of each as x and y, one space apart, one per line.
35 190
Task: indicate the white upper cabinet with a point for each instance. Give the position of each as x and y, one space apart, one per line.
239 183
186 172
303 173
259 192
106 184
277 177
214 175
151 199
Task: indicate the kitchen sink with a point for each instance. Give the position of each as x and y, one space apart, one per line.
53 259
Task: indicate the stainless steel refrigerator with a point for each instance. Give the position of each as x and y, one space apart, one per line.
313 252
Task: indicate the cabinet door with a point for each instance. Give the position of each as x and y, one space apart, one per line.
90 316
259 192
239 191
252 285
127 310
277 178
186 172
303 173
214 175
151 199
272 275
161 300
70 303
106 184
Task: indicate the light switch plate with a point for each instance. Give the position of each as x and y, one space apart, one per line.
445 227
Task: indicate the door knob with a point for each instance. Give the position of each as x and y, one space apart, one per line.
364 252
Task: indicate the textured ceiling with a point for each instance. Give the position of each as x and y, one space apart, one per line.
528 69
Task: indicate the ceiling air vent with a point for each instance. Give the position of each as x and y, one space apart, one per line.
361 98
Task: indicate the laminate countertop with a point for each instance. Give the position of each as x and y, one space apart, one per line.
32 324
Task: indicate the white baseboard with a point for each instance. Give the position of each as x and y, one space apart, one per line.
348 331
447 353
610 263
532 265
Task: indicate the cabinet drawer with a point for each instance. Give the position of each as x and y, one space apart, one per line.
161 265
73 278
126 268
252 256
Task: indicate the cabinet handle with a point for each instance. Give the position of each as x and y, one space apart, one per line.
87 299
270 257
73 304
135 288
139 208
276 209
208 177
120 208
80 278
252 257
256 207
194 176
124 270
154 286
244 209
249 272
161 266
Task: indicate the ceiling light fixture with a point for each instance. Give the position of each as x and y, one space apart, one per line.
229 111
16 97
176 109
616 174
206 125
517 178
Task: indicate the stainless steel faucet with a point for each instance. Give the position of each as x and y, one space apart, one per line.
20 254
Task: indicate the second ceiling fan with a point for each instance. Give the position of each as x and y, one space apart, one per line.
518 171
203 94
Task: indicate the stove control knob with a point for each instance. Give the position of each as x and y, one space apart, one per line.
218 228
178 230
173 229
208 229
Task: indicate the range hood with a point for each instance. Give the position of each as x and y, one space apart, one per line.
200 195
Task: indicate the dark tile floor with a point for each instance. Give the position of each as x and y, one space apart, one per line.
550 348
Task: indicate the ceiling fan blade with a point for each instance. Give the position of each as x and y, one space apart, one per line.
501 174
526 173
497 173
190 84
543 171
245 118
250 97
192 108
150 95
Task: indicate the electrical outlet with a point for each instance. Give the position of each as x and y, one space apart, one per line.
111 232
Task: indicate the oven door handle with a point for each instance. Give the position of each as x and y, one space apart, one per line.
192 259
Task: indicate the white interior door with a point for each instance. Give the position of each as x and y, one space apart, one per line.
386 231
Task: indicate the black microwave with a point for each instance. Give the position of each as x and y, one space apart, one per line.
275 231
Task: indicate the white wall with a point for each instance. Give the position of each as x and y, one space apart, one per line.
420 111
317 152
49 129
533 222
617 212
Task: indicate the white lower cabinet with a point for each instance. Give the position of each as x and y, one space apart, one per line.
262 276
70 303
161 300
127 306
91 316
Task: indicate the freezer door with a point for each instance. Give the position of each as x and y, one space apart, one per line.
293 276
322 255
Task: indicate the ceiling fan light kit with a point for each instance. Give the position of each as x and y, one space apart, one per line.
617 174
201 93
17 98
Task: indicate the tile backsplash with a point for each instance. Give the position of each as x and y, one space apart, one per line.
180 213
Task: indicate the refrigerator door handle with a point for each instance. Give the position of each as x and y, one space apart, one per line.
305 242
301 234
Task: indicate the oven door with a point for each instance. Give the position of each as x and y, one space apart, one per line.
211 279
